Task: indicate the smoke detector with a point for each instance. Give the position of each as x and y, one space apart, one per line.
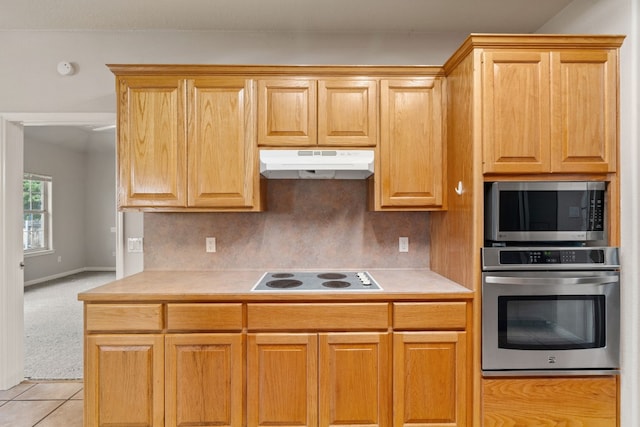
65 68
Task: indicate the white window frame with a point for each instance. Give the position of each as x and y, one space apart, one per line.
46 212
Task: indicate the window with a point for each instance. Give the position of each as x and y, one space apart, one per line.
36 198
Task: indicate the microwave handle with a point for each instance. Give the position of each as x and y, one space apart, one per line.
513 280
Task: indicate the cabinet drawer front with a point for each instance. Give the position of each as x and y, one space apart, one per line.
204 317
329 316
124 317
430 315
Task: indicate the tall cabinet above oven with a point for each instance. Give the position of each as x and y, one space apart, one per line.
528 108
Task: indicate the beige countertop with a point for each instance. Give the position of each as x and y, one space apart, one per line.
235 285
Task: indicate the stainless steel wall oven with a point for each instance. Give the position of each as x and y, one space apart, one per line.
550 310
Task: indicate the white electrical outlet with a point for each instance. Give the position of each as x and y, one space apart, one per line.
403 244
210 244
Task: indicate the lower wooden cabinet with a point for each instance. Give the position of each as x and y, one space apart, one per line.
325 379
429 379
124 380
204 380
179 364
551 401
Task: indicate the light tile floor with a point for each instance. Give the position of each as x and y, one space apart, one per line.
42 404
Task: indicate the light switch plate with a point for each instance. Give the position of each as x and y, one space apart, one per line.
403 244
134 244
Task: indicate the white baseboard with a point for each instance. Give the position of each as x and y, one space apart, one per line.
66 273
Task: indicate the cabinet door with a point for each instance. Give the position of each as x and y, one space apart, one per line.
586 402
282 380
516 133
204 380
222 150
584 119
409 171
152 142
287 113
355 387
429 379
347 113
124 380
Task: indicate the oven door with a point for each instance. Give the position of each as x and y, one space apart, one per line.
551 321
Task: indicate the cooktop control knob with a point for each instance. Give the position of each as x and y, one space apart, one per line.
364 279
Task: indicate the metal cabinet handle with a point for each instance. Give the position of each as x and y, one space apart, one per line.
550 280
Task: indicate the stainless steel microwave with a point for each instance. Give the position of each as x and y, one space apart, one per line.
549 211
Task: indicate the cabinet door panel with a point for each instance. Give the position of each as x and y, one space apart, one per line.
516 133
124 380
585 402
282 380
204 380
222 149
429 382
347 112
584 102
287 114
152 142
410 168
355 384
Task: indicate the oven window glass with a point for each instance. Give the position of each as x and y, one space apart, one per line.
554 322
544 210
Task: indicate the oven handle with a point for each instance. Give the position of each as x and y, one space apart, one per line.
512 280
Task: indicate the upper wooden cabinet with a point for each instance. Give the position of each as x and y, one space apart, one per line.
187 142
309 112
549 110
222 155
152 143
411 153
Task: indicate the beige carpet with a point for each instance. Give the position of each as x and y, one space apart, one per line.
53 325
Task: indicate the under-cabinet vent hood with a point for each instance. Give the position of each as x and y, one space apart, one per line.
316 164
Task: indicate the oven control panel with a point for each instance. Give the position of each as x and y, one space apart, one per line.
564 256
511 258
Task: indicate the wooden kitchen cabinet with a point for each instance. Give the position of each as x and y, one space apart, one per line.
549 111
322 379
586 401
282 380
204 380
355 379
124 380
430 366
301 112
152 143
186 142
411 156
429 386
222 156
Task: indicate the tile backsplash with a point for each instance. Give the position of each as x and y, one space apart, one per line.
308 224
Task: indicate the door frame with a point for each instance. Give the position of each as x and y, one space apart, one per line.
12 278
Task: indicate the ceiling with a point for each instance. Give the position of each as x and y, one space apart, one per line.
432 16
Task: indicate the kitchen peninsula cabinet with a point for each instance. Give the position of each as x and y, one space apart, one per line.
411 155
549 111
328 112
186 142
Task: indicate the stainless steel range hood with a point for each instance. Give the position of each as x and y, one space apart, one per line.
316 164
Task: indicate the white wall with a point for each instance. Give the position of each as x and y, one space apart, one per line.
33 85
100 202
621 17
83 172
